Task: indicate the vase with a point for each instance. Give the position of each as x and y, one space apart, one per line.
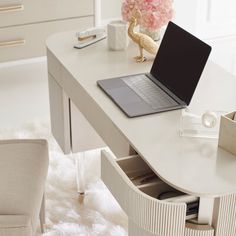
154 34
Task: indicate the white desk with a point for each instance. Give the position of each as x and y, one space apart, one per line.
194 166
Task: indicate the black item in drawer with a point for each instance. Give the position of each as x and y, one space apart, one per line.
192 208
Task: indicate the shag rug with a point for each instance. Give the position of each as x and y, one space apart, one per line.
99 214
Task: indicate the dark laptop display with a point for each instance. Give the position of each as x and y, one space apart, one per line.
171 82
180 61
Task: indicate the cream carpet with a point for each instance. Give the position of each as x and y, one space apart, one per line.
65 216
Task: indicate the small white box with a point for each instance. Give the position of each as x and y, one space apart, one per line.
227 135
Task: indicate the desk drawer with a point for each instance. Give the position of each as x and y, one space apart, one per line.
26 41
16 12
136 188
139 202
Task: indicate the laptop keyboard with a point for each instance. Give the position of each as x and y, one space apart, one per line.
149 92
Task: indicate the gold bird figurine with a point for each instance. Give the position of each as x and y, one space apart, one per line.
144 41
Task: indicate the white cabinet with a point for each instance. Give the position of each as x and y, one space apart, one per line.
25 24
28 40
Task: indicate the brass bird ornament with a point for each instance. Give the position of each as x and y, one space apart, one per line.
144 41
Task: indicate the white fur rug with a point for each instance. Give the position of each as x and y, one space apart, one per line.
65 216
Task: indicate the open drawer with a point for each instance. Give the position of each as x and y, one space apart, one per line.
138 200
137 189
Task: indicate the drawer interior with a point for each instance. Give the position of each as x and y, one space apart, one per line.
157 189
149 183
143 177
137 170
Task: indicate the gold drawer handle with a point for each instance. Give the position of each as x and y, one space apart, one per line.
18 7
12 43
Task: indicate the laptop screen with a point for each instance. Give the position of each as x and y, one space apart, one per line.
180 61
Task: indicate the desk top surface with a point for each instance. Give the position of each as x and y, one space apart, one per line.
193 165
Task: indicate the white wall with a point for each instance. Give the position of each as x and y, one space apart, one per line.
184 14
213 21
207 18
111 9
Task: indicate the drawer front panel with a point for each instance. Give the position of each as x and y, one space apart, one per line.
29 40
27 11
148 213
115 180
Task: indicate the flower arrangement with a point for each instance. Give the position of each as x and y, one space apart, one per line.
155 13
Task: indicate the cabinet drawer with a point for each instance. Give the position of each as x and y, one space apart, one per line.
139 200
26 41
16 12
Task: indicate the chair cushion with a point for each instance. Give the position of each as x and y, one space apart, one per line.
15 225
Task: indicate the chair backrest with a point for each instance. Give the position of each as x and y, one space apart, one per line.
23 172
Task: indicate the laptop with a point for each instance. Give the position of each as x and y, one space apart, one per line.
171 82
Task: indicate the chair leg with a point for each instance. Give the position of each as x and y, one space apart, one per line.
42 215
80 161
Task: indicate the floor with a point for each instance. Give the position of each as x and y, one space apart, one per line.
23 92
24 88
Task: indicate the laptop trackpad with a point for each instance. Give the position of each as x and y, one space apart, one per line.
124 95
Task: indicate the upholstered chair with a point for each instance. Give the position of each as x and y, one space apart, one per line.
23 172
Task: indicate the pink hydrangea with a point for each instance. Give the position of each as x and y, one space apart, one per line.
126 9
155 13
